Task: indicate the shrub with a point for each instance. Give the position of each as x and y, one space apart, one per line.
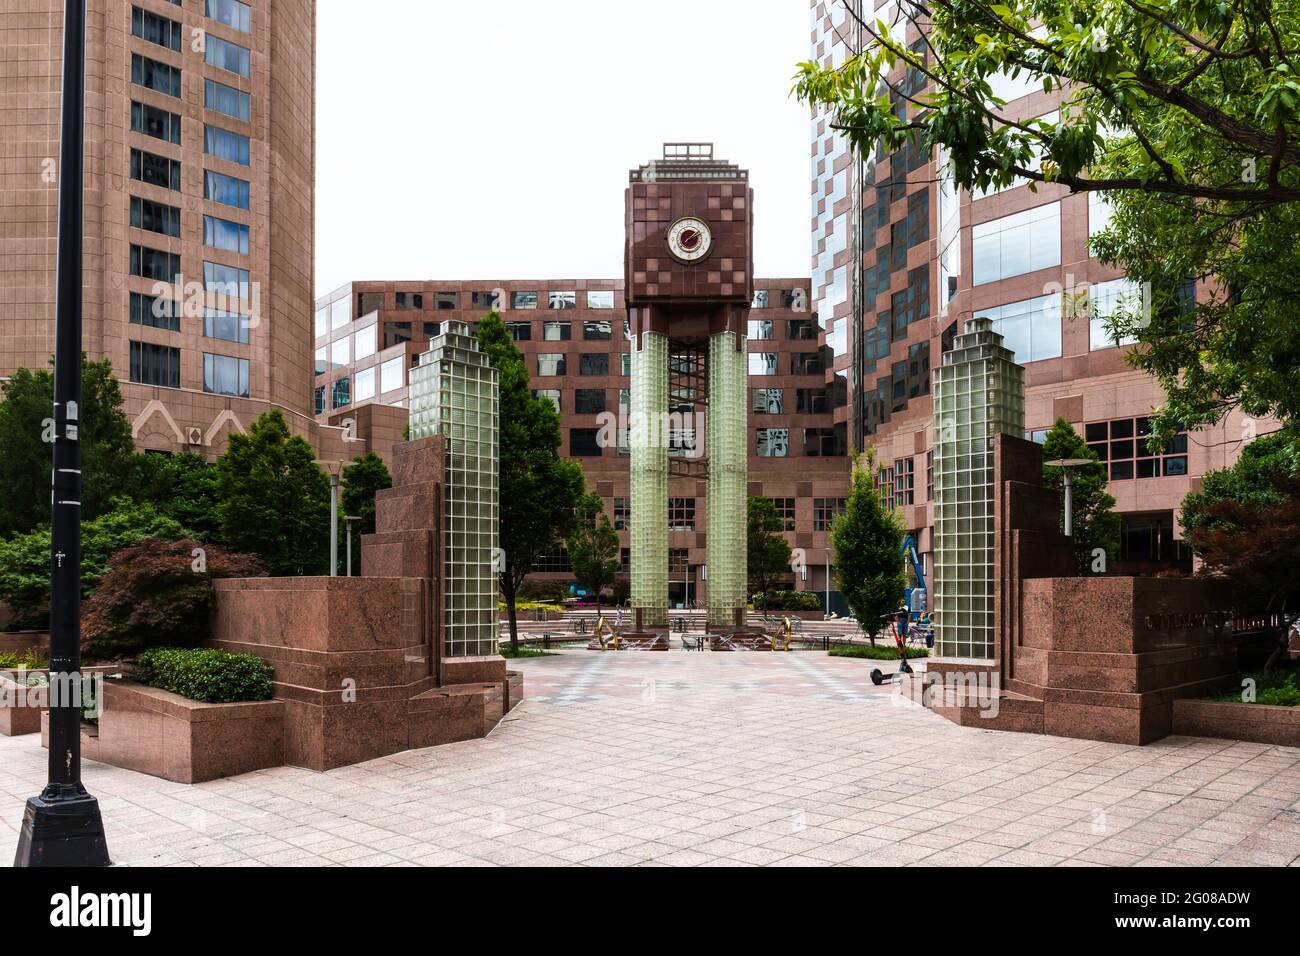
788 601
207 675
875 652
157 593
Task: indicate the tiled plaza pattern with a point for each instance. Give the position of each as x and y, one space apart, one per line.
714 759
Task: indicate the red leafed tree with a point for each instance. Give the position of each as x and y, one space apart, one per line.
157 594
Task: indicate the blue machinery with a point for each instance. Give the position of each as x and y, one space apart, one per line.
915 596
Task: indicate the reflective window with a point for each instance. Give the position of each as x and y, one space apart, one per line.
155 170
446 300
593 363
600 300
224 189
391 375
225 99
225 280
364 384
523 300
563 300
156 122
340 353
340 393
761 329
556 331
155 364
584 442
225 375
1014 245
232 13
552 395
762 363
155 264
158 313
1100 212
409 300
769 401
366 341
1030 328
550 363
155 217
1114 299
224 234
339 314
589 401
773 443
760 299
226 55
155 29
222 324
223 144
322 360
520 331
155 76
597 331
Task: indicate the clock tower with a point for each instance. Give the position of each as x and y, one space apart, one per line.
688 263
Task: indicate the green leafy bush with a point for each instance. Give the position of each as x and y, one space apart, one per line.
207 675
788 601
1279 688
876 652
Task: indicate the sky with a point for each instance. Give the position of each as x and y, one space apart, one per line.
493 138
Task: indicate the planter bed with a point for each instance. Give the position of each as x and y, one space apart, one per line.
165 735
18 720
1259 723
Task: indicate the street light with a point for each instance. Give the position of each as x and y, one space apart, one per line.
63 826
334 469
348 521
1065 464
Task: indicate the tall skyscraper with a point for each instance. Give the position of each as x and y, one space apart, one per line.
200 163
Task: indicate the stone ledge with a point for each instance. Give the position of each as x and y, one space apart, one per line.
1259 723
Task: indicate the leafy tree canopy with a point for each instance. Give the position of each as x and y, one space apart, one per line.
768 551
25 452
361 480
183 487
274 499
593 546
868 540
1095 525
1185 114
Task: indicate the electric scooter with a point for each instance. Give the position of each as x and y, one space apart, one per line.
878 677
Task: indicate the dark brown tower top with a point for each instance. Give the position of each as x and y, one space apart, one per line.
689 229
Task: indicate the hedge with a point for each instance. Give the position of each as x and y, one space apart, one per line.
203 674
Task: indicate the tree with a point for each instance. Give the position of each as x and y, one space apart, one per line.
274 500
768 552
25 558
1186 117
25 450
593 546
1094 526
1244 524
361 480
183 487
868 540
539 490
157 593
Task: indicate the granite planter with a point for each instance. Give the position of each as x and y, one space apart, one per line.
1259 723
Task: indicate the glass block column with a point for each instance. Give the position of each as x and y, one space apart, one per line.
453 393
979 391
727 505
648 436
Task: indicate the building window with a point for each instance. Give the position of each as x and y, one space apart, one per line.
484 300
600 299
807 363
593 363
157 313
761 329
823 442
155 364
622 515
445 301
681 514
365 384
392 375
366 341
368 302
319 395
226 99
626 364
225 55
812 401
395 333
801 330
562 300
597 331
1100 212
155 29
155 170
220 324
223 144
760 299
589 401
1122 445
520 331
340 393
410 300
322 360
339 315
773 443
785 511
232 13
554 562
523 300
1030 328
556 332
679 560
225 280
155 76
1014 245
226 375
340 353
155 122
550 363
155 217
224 189
825 511
769 401
762 363
224 234
155 264
583 443
552 395
1118 298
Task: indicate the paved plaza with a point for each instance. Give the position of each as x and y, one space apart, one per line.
713 759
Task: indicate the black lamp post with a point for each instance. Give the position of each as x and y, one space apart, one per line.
62 827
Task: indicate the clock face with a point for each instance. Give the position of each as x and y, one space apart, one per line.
689 239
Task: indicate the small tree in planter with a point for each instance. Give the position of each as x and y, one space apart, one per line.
868 541
768 552
157 593
593 547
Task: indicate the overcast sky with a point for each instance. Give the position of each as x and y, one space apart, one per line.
492 139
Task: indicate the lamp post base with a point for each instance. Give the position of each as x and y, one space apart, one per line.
62 829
